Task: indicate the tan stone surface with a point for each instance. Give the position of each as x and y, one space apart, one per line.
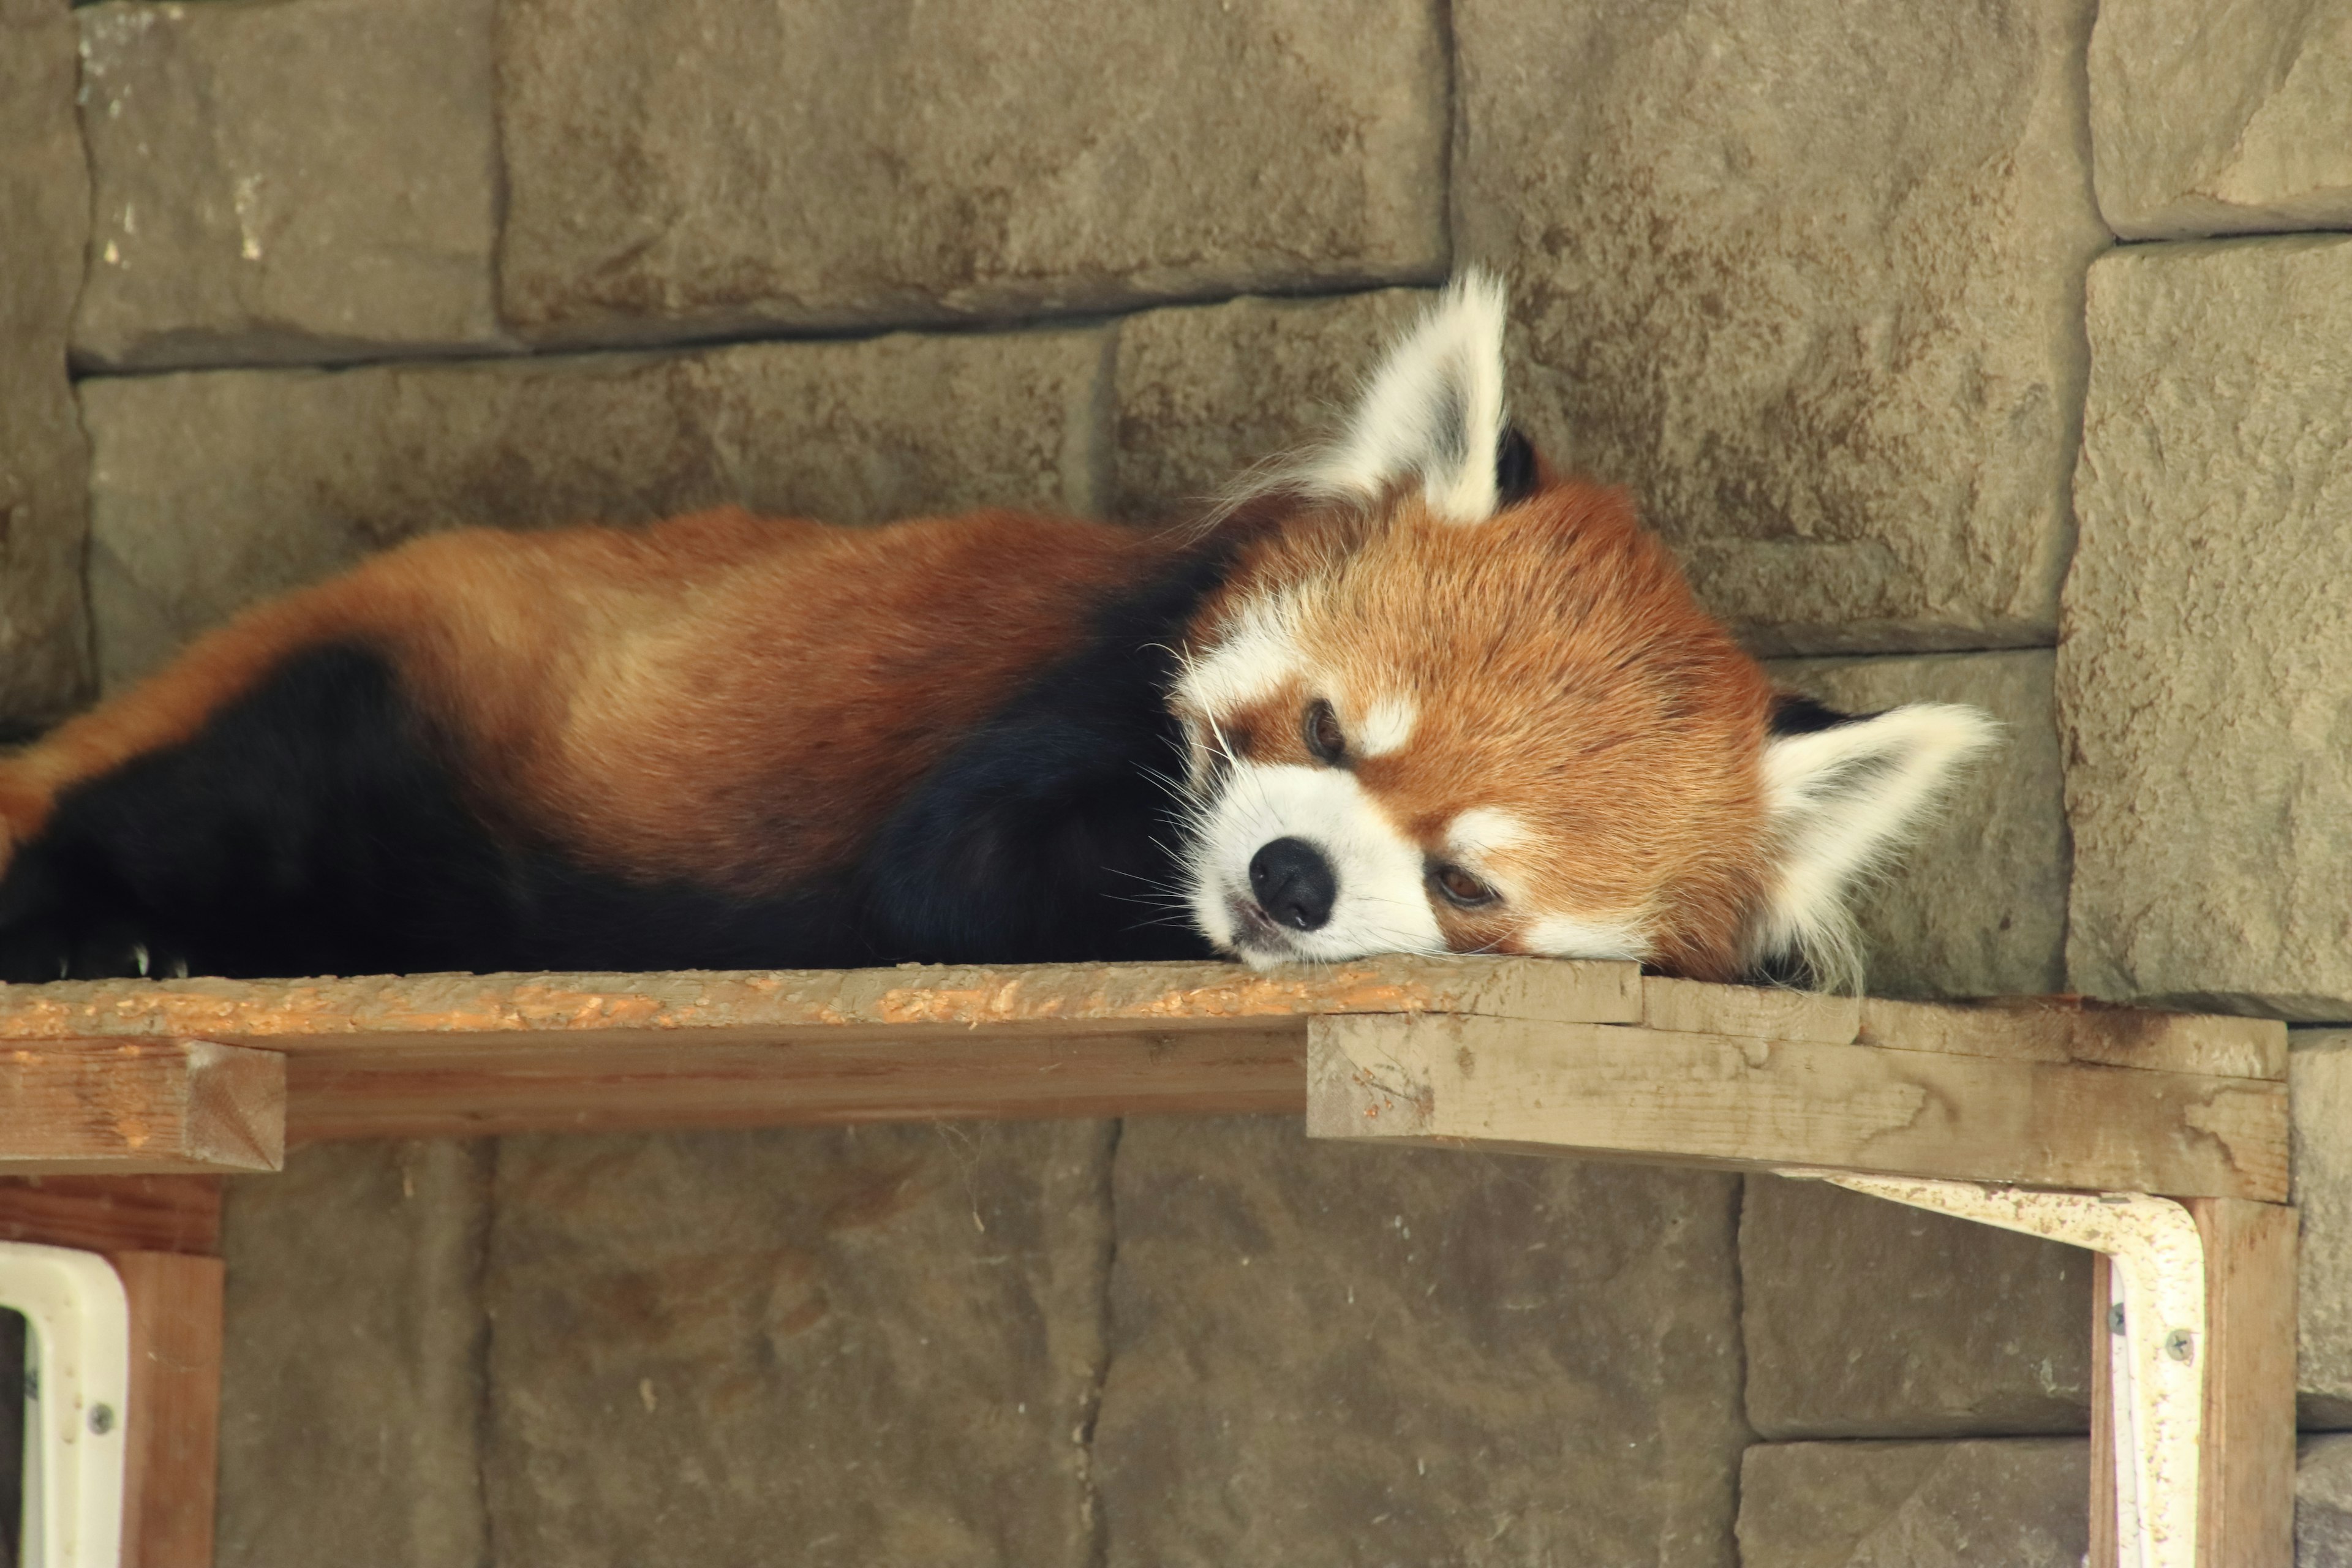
1978 907
2201 685
2323 1501
1808 277
351 1387
2221 116
2319 1086
704 165
2015 1504
1203 392
1867 1319
44 498
872 1346
289 181
213 489
1323 1355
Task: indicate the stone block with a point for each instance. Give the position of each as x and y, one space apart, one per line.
1978 907
838 1347
2202 683
213 489
288 183
1325 1354
2319 1072
1203 392
2023 1503
1808 277
706 166
1868 1319
352 1392
45 667
2323 1501
2221 116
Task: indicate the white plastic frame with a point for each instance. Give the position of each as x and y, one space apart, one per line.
2156 1360
77 1403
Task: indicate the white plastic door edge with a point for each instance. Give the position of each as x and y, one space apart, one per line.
2155 1343
77 1383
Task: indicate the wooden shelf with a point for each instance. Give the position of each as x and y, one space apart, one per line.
1470 1050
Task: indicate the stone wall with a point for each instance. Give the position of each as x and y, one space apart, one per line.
1833 286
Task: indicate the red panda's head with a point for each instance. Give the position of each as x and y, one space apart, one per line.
1448 703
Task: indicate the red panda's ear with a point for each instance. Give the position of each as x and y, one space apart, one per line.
1433 412
1842 795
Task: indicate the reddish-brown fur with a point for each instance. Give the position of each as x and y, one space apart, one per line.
1563 671
729 698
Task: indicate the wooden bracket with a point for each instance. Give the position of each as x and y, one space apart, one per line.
125 1106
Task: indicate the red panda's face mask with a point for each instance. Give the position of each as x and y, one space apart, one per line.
1451 704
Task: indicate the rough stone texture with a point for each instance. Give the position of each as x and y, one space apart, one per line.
352 1385
1332 1355
879 1345
703 165
213 489
286 182
1978 908
2203 684
2323 1502
2018 1504
1809 278
2222 116
1205 392
1866 1319
2319 1071
44 496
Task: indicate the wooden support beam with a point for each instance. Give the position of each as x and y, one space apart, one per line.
1653 1095
173 1421
123 1106
113 1213
2246 1512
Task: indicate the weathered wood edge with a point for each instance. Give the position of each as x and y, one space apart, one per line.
2071 1028
123 1107
1594 1091
323 1014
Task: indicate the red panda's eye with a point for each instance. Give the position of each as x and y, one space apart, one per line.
1324 736
1460 887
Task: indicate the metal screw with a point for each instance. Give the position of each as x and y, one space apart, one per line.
2180 1345
2115 1319
101 1419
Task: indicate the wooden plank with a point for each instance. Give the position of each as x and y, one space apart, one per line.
113 1213
2104 1549
124 1106
2073 1029
1751 1012
606 1084
753 1007
1757 1104
174 1415
2245 1509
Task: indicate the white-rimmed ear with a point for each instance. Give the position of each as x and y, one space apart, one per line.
1841 796
1433 412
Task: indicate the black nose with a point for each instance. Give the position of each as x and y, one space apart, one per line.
1294 882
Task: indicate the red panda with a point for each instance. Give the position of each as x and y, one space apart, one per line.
1414 692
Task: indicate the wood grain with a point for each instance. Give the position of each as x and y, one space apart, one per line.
1753 1012
324 1015
125 1106
2104 1542
2071 1029
1759 1104
604 1082
174 1415
2245 1516
113 1213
